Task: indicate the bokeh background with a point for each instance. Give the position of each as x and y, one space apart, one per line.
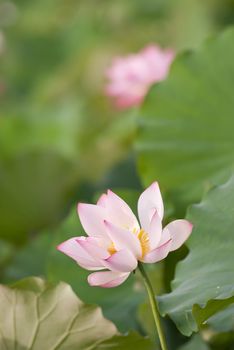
61 139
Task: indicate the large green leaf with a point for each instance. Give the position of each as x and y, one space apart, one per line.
37 315
196 343
186 126
223 321
132 341
204 280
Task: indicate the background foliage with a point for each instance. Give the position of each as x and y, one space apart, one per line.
61 141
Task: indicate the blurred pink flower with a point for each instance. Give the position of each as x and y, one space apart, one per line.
116 241
131 77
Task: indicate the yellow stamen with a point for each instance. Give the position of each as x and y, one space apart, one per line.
144 241
111 250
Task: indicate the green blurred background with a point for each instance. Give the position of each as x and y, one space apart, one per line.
61 140
59 135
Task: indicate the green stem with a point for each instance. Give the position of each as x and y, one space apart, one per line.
154 307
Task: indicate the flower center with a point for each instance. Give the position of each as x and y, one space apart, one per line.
111 249
144 241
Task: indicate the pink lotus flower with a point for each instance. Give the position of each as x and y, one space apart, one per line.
131 77
116 241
